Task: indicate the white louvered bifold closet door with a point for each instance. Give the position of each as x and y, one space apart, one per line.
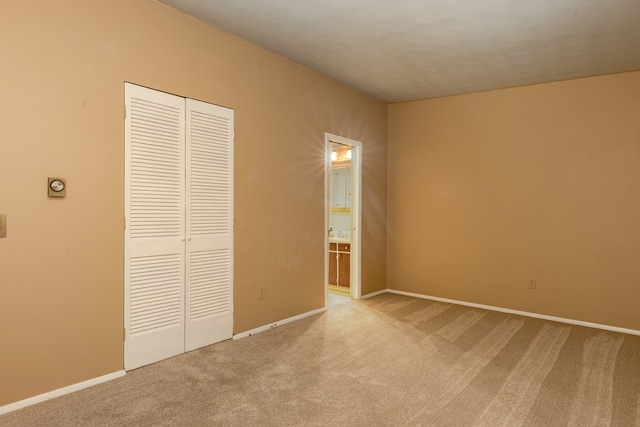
209 315
155 214
178 235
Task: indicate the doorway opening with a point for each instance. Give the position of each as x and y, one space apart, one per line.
343 217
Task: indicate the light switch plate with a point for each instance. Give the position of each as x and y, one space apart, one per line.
3 225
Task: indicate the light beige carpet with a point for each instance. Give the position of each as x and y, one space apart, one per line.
387 361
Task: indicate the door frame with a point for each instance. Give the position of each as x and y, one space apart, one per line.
356 212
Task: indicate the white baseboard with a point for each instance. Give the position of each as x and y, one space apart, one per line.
59 392
373 294
521 313
276 324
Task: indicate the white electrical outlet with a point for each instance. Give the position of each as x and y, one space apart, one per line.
532 283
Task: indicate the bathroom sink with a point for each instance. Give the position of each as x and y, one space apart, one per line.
339 240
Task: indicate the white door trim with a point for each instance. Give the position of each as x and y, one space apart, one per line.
356 212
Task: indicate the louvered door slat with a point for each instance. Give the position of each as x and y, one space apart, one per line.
210 179
209 290
157 168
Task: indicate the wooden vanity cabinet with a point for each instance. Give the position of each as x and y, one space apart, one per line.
333 264
340 264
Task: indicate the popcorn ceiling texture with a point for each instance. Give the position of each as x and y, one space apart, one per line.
415 49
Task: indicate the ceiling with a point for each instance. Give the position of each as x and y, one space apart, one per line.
413 49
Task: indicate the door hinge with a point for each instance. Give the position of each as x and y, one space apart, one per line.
125 111
124 334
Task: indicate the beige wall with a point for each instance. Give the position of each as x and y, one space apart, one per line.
64 65
491 189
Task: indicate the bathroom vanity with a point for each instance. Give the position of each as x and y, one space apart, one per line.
340 263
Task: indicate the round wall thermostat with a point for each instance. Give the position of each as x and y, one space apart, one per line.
57 187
